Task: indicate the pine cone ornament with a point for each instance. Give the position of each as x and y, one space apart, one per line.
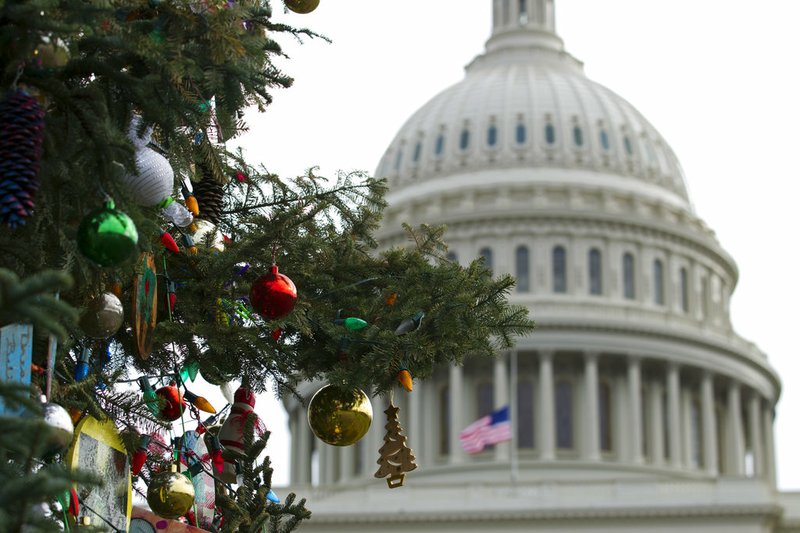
21 135
210 198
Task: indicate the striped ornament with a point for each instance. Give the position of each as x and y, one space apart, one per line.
154 179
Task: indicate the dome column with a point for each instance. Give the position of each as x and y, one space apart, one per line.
501 397
754 433
346 462
709 421
656 428
303 465
546 427
769 445
735 434
591 449
456 392
674 415
635 403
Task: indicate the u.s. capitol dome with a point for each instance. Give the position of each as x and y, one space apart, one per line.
635 405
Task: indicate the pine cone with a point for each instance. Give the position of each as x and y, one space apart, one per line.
210 198
21 135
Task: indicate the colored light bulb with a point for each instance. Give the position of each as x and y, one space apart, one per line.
352 323
149 395
82 368
199 402
169 243
216 455
140 455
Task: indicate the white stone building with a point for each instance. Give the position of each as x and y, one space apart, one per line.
636 406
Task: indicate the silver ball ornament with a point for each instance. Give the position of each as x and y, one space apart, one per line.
103 316
58 420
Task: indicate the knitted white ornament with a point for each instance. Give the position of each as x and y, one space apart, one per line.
154 179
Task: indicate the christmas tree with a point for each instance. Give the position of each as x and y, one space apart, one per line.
138 251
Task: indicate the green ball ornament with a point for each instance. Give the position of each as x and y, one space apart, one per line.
107 236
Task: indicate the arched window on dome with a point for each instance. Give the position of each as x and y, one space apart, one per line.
520 133
525 415
506 12
604 140
399 159
628 277
491 136
684 277
439 148
522 261
417 151
628 146
604 416
523 11
565 438
486 253
463 140
577 136
550 134
559 269
595 272
452 256
658 282
444 420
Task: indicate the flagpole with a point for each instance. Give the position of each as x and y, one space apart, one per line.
512 405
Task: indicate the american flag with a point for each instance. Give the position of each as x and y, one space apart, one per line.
488 430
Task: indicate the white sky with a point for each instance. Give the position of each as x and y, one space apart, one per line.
718 79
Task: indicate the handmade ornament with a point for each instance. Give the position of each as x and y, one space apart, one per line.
103 316
273 295
207 236
301 6
210 198
195 453
231 434
396 458
154 178
339 416
16 344
170 402
107 236
170 494
410 324
61 428
145 304
98 448
21 135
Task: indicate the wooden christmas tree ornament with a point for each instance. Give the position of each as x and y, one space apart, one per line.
396 458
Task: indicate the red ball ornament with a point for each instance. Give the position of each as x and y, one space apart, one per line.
170 402
273 295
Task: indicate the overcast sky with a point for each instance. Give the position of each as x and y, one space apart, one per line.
717 78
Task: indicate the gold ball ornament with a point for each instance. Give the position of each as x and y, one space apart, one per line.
170 494
301 6
339 416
